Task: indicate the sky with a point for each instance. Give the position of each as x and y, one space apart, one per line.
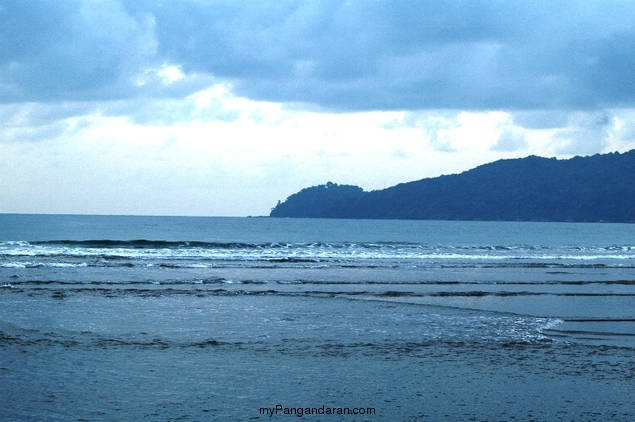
222 108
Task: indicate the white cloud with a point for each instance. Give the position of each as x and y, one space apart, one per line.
585 133
100 163
112 163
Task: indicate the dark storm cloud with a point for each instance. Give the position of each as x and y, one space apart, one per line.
355 55
53 50
76 50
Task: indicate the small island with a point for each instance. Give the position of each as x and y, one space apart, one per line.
598 188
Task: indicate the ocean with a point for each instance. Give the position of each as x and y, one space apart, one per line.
188 318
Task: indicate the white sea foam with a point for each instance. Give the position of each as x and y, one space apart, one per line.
550 324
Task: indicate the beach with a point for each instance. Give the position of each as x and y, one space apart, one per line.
216 319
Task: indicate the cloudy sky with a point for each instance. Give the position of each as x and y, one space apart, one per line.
206 107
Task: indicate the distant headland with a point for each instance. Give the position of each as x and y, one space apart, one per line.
598 188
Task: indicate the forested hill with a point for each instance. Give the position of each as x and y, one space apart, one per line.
585 189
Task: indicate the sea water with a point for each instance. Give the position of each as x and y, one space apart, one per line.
168 318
